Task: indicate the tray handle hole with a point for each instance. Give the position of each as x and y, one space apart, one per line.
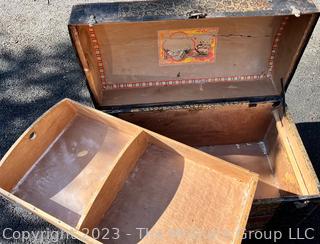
32 135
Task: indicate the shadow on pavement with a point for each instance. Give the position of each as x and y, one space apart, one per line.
30 84
34 81
310 135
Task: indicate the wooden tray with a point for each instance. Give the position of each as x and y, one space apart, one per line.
81 169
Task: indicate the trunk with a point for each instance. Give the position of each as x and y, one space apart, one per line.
210 75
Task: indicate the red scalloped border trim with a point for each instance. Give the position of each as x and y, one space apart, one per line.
163 83
97 52
275 46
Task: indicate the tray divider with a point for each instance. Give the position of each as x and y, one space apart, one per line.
112 183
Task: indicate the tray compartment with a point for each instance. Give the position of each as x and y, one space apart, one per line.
63 179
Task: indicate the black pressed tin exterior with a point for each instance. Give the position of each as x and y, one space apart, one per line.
182 9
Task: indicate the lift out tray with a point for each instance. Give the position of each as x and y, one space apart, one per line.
81 169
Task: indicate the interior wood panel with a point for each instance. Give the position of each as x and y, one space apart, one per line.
269 47
87 57
309 176
243 135
130 50
129 53
211 125
292 41
86 60
251 156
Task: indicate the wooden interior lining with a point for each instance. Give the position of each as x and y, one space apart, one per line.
129 53
94 84
130 50
225 127
192 92
251 156
280 163
200 158
290 46
86 52
27 149
291 155
207 125
299 161
309 176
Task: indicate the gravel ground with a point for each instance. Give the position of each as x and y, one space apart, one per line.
38 68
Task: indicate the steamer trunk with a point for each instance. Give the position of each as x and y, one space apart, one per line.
213 75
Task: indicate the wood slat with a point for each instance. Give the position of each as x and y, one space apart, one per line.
108 188
283 134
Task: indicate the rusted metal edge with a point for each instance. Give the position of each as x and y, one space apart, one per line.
181 10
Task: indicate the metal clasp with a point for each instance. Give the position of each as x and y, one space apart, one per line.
92 20
196 15
301 204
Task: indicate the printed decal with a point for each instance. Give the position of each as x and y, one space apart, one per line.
197 45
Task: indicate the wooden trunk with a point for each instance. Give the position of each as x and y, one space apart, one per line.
87 173
213 75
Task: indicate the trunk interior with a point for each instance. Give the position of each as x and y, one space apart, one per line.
136 63
251 137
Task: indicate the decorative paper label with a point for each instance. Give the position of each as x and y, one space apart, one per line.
197 45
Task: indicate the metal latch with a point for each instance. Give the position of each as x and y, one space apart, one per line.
301 204
196 15
296 12
92 20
